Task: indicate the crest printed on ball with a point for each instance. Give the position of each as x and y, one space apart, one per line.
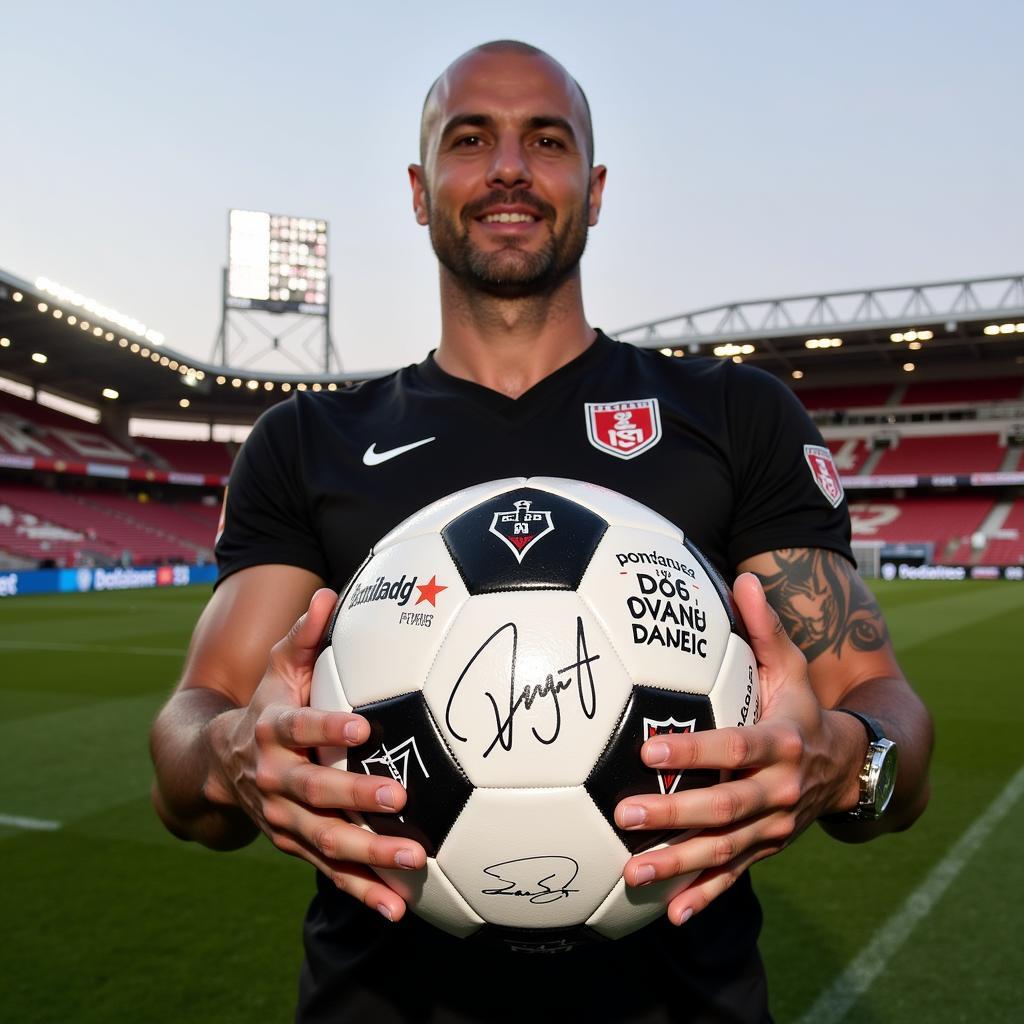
668 780
521 527
624 429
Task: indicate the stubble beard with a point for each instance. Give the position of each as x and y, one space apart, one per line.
510 272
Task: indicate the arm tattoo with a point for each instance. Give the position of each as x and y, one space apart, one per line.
823 602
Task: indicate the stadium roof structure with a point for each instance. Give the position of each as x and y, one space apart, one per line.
54 339
948 329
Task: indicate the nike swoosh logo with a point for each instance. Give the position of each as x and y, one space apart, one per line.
372 457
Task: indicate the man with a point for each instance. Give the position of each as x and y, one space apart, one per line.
507 186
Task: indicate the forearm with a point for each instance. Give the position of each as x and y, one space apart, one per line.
184 759
906 721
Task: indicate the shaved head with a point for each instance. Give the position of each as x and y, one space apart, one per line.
434 102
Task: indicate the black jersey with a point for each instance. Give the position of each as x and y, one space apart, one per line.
725 451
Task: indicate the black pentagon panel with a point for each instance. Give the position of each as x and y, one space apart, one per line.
620 771
536 941
524 539
735 622
405 746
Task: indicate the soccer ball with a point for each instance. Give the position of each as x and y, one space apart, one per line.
512 646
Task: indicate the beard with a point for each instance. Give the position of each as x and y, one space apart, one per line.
509 272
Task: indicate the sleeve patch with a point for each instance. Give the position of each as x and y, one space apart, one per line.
824 472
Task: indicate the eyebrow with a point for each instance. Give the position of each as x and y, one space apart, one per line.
486 121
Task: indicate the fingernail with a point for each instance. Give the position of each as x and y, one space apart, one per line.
632 816
405 859
353 731
644 874
385 910
656 753
385 797
685 916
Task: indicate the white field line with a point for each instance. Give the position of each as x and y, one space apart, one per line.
36 824
45 645
832 1005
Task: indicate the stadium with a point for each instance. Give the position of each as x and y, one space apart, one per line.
918 391
107 515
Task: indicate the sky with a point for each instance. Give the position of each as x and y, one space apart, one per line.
754 150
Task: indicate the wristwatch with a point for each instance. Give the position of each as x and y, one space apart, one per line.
877 775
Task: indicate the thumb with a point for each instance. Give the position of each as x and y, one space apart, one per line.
299 649
778 658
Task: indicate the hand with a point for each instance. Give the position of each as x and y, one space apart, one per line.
796 764
261 758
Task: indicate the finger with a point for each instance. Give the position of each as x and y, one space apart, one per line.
770 642
730 747
708 807
709 850
304 727
359 882
335 839
324 787
711 884
299 649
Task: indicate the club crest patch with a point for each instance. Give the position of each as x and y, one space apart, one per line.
624 429
823 469
521 527
668 780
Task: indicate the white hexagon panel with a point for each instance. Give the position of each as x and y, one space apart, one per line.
628 907
526 689
660 608
528 858
394 617
735 700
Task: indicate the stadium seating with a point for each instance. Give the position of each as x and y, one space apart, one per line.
951 392
952 453
102 527
864 396
946 522
208 457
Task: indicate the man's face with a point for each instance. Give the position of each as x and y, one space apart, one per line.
506 186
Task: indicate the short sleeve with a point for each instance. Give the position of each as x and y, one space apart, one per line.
266 515
787 490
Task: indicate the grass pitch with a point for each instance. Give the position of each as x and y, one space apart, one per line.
108 918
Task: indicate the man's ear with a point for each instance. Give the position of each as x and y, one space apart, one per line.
598 174
420 204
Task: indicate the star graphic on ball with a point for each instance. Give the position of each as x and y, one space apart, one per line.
429 591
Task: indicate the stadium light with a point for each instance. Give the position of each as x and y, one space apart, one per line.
286 387
252 385
38 357
268 385
222 379
184 403
909 367
5 342
798 375
111 394
123 342
823 343
109 336
914 346
665 351
236 383
69 297
332 386
17 296
72 319
42 307
58 313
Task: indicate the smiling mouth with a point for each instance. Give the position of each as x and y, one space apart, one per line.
509 218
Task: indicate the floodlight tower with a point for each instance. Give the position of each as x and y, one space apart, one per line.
277 265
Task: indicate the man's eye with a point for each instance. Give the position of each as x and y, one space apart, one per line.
548 142
468 140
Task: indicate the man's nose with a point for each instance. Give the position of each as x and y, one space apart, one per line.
509 167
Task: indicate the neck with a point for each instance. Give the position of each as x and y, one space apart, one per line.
509 345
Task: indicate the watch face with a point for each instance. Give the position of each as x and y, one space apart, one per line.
886 779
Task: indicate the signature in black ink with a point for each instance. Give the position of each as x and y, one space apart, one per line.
579 672
554 875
